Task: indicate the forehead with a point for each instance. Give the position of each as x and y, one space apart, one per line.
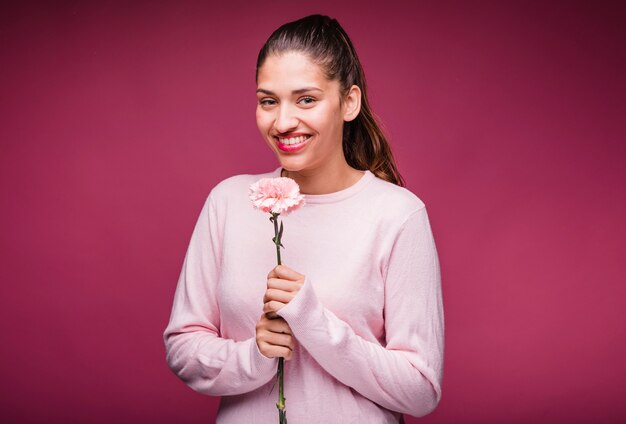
290 71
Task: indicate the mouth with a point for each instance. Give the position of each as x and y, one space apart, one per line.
292 143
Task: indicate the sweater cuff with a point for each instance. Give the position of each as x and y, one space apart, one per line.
261 363
304 312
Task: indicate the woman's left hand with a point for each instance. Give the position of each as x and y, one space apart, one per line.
283 284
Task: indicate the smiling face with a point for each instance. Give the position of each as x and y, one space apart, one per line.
299 114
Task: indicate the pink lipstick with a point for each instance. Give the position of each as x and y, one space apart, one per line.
292 142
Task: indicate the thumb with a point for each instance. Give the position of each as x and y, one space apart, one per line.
285 273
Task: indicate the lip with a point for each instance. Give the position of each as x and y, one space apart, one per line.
290 148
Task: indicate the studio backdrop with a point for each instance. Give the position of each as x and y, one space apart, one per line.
506 119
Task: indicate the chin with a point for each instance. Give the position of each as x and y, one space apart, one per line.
290 164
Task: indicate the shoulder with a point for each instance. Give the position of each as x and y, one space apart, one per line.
235 187
398 203
400 212
230 196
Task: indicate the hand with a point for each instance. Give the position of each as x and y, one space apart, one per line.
283 284
274 338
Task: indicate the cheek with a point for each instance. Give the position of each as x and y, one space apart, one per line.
327 120
262 120
321 118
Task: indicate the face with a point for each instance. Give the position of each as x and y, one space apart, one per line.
299 114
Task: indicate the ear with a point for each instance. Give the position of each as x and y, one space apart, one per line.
352 103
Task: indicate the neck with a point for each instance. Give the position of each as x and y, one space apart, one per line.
324 181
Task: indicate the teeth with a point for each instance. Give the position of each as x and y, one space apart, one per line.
293 140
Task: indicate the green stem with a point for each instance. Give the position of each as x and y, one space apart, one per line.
282 414
274 219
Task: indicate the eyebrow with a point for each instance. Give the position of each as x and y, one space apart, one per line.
298 91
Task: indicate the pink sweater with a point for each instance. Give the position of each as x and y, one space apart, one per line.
368 320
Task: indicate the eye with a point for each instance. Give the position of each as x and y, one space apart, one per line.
307 100
267 102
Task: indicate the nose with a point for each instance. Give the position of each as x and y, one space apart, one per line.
286 119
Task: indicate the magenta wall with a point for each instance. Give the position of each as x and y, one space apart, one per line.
508 121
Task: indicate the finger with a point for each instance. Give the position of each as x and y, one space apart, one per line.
284 272
278 295
272 316
286 285
277 283
267 321
283 352
279 339
272 351
272 306
279 325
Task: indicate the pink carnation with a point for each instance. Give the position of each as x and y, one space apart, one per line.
276 195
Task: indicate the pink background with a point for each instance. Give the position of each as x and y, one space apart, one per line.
507 120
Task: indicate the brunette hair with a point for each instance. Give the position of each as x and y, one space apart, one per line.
325 42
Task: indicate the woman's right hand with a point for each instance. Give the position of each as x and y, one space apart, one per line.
274 338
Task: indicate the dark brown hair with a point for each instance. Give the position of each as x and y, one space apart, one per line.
325 42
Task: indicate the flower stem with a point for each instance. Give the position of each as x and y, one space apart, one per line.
282 414
277 236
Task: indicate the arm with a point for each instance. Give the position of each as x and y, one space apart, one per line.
195 351
405 375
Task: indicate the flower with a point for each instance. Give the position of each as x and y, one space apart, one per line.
279 195
276 196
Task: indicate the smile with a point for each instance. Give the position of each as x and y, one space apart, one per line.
292 144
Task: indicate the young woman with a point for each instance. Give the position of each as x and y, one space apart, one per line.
356 311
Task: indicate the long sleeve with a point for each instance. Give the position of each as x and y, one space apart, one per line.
195 350
404 375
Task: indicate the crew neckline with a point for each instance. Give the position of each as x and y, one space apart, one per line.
337 195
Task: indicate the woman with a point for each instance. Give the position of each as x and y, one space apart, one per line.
357 310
